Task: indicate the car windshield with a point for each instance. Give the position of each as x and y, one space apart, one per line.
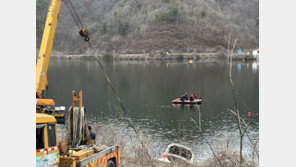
180 151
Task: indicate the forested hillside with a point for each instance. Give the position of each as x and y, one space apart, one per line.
144 26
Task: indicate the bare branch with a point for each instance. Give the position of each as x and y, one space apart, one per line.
249 124
245 124
229 36
207 142
235 103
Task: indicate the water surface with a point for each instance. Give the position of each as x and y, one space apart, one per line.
147 89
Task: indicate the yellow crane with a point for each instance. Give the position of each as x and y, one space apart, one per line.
71 152
46 47
47 105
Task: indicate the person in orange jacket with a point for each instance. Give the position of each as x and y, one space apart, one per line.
192 97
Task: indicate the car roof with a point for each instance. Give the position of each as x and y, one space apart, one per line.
178 156
178 145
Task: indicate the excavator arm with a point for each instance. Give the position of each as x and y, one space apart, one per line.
46 46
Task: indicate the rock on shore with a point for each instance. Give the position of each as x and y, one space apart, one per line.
157 56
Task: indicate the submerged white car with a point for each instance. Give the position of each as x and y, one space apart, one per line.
176 151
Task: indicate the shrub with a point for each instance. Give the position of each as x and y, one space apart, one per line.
180 57
107 56
122 27
169 16
138 4
162 53
104 28
203 14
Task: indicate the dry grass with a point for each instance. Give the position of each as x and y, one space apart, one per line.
132 154
228 159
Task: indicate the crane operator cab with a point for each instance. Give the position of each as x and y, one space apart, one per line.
47 151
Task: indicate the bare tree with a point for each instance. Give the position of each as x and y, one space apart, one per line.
236 110
140 15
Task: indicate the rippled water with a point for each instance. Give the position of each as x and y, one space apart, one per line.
147 89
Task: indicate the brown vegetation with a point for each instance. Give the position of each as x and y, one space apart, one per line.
142 26
132 154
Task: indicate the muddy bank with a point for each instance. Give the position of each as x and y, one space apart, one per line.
157 56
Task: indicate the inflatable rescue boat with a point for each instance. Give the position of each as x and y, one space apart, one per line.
195 101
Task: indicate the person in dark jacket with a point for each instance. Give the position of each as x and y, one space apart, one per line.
92 135
184 97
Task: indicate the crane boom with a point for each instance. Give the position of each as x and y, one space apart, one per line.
49 152
46 46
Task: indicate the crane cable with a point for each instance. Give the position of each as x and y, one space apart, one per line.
118 98
83 32
73 13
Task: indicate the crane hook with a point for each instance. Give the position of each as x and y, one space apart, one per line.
84 33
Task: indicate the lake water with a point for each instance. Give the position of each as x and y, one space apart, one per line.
147 89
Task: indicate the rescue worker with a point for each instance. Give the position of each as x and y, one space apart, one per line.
92 135
184 97
192 97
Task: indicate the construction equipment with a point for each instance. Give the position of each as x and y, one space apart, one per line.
47 106
51 152
78 143
77 128
43 60
77 149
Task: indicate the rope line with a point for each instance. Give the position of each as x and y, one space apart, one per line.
118 98
78 22
73 13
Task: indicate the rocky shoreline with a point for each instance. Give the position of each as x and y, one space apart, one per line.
158 56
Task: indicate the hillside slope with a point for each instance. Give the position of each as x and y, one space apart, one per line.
143 26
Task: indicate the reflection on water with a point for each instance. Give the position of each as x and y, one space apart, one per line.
255 66
147 89
239 67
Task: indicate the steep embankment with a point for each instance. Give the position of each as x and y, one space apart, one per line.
144 26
